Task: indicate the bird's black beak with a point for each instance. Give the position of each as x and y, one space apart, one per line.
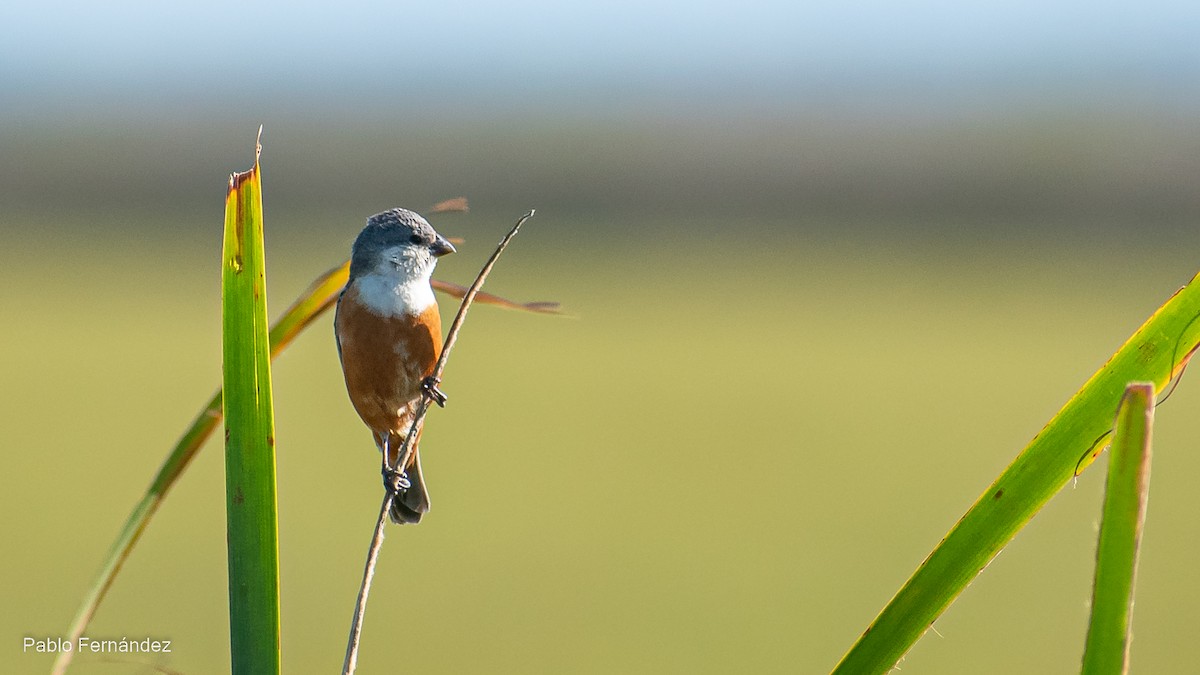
441 247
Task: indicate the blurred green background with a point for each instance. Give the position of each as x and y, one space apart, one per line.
825 283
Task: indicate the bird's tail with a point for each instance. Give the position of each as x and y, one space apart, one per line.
409 506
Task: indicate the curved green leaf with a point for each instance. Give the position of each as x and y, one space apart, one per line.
1066 446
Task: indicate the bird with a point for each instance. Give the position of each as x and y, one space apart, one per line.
389 338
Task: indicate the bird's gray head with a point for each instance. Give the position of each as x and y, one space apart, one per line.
397 241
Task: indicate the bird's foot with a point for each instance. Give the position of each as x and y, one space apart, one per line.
395 480
429 386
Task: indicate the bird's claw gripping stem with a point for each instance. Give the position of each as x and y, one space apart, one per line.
395 480
429 386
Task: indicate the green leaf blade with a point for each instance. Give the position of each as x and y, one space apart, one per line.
1065 446
251 510
1125 497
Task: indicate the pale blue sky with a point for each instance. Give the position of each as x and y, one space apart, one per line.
61 44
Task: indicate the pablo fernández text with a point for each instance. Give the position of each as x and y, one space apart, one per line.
87 645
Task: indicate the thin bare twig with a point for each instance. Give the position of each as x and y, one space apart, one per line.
360 607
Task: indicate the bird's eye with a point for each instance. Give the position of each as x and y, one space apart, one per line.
415 239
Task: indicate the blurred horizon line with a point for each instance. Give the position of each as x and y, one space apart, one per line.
863 92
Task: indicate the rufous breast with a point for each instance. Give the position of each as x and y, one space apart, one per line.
385 359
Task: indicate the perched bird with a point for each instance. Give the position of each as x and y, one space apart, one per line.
389 337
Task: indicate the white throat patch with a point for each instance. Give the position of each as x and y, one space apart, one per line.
399 284
391 295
